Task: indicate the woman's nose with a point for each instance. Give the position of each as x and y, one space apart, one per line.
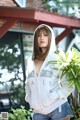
42 35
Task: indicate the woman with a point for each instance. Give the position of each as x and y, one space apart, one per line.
45 92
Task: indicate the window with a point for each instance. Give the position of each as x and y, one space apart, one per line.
75 43
11 68
21 3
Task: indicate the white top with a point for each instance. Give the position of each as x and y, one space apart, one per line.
45 92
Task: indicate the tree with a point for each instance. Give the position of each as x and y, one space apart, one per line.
66 7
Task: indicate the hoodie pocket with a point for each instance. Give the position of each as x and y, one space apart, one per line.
49 98
34 103
53 96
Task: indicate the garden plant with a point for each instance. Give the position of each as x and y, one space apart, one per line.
69 65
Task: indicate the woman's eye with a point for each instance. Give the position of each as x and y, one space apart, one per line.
42 35
45 35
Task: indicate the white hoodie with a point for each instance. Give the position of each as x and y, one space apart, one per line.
45 92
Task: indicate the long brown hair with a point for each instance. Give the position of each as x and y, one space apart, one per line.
37 53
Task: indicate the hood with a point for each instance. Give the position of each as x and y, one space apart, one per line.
52 45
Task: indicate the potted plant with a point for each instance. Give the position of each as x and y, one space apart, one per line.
69 65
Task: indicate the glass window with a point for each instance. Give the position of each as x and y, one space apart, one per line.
21 3
11 69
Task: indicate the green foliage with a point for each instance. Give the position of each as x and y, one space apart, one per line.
9 58
20 114
69 64
48 7
19 94
77 112
11 61
63 6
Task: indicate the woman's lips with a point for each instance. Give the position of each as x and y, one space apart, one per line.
42 42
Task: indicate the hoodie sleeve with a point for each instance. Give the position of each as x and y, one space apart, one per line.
62 91
65 90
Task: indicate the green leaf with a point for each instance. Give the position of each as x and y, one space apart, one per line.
69 65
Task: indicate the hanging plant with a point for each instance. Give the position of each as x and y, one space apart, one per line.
69 64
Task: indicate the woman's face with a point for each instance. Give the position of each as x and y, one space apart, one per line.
42 39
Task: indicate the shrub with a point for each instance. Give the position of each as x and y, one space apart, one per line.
20 114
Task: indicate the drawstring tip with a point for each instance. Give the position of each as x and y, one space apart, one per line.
60 109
